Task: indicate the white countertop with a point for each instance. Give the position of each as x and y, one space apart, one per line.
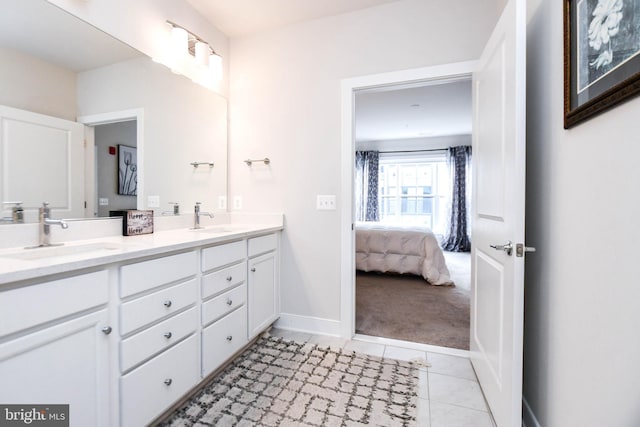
18 264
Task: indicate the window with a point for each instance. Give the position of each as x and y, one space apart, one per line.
414 190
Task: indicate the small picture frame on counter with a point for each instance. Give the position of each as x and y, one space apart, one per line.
135 222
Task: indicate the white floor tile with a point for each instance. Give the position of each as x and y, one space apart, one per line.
423 418
451 365
423 383
445 415
406 354
335 343
296 336
456 391
365 348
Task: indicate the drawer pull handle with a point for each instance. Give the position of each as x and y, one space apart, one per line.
167 303
229 278
229 338
106 330
253 269
167 335
229 302
168 381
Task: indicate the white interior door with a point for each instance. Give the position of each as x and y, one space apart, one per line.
41 160
497 307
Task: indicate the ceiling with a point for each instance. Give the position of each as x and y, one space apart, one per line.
413 111
243 17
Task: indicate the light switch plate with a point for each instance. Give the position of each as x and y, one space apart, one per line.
222 202
237 203
103 201
326 202
153 201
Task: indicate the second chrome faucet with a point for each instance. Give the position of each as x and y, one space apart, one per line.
196 216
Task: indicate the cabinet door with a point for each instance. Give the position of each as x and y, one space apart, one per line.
262 292
62 364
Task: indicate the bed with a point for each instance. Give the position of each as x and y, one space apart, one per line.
402 250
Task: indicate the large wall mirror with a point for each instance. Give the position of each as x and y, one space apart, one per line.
93 126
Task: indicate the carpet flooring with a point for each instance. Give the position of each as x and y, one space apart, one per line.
283 383
405 307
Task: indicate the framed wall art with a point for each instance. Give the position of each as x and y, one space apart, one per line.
127 170
601 56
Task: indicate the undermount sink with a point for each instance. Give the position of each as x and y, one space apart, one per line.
43 252
219 229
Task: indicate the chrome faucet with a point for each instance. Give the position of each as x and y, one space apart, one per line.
176 209
17 213
196 216
44 214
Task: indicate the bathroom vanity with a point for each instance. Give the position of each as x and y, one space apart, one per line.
121 328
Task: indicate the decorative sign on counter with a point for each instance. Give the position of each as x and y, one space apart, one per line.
135 222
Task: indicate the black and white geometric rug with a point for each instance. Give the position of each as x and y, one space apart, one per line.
283 383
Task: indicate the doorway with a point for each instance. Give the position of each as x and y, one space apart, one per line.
127 128
383 83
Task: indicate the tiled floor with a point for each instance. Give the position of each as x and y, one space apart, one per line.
448 394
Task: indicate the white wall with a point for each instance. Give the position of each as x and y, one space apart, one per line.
142 25
31 84
285 104
582 295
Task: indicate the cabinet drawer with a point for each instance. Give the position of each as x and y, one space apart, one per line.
33 305
150 389
151 341
217 307
222 339
142 311
216 282
139 277
218 256
262 244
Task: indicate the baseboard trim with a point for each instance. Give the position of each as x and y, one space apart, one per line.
528 417
308 324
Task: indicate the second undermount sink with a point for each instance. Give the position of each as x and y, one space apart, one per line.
44 252
226 228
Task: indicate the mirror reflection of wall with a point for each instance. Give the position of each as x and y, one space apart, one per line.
50 59
107 139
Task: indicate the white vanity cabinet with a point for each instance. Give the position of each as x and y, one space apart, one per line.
262 283
54 346
123 340
159 354
224 298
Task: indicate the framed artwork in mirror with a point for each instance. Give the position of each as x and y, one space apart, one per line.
601 56
127 170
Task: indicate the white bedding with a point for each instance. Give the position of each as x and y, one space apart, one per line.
400 250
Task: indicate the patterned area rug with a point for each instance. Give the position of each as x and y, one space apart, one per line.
283 383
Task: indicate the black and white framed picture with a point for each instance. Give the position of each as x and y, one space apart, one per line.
601 56
127 170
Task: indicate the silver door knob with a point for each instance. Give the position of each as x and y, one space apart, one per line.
167 335
167 303
508 247
106 330
168 381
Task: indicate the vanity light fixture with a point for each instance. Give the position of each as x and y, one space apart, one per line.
193 57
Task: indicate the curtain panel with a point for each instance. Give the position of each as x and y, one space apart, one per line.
457 237
366 186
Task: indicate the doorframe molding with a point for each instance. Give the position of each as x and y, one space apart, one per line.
136 114
347 241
